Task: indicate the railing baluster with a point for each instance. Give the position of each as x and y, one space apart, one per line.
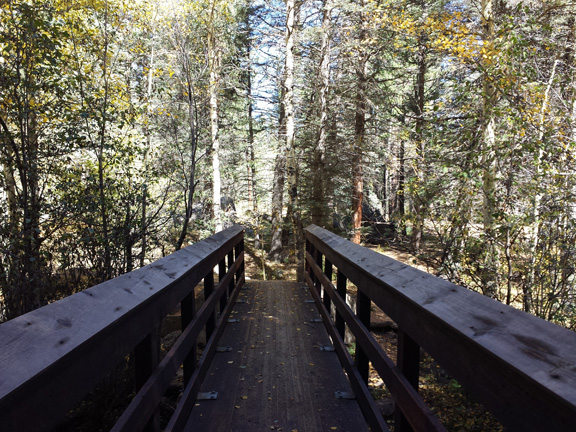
341 284
208 290
363 306
188 312
328 273
318 259
221 274
238 249
146 358
408 361
230 264
307 268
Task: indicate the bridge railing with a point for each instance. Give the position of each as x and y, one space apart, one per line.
51 358
522 368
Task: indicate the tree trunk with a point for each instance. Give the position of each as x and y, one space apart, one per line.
293 210
319 208
277 207
488 162
420 165
250 160
401 191
107 259
214 60
359 130
191 173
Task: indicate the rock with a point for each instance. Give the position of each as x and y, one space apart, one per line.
169 340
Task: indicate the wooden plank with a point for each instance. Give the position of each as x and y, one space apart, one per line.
276 377
521 367
52 357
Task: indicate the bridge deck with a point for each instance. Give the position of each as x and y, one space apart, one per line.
276 377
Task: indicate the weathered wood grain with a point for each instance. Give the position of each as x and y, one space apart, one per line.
406 397
276 377
52 357
522 368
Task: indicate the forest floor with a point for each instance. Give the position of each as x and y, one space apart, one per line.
455 408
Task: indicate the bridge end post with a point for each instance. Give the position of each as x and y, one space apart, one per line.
146 358
408 362
363 311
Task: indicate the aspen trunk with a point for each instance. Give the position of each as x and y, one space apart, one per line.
214 57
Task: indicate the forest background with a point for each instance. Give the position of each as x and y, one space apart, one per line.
129 129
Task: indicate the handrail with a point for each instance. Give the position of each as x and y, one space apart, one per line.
52 357
522 368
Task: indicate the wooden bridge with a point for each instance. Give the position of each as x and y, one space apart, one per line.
274 357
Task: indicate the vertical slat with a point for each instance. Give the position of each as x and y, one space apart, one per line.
238 249
146 358
221 274
309 250
341 285
328 273
208 290
318 258
188 312
408 361
230 264
363 306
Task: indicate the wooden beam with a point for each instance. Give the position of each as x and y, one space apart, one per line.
520 367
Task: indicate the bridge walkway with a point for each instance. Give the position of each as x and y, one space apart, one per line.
277 374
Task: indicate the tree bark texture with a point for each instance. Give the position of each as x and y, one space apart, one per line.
359 130
420 198
293 209
214 62
319 208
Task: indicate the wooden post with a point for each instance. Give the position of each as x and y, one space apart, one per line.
363 306
408 361
208 290
221 274
341 284
328 273
188 312
146 358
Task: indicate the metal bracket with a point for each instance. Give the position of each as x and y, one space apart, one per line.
309 301
224 349
344 395
327 348
233 320
316 320
207 395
